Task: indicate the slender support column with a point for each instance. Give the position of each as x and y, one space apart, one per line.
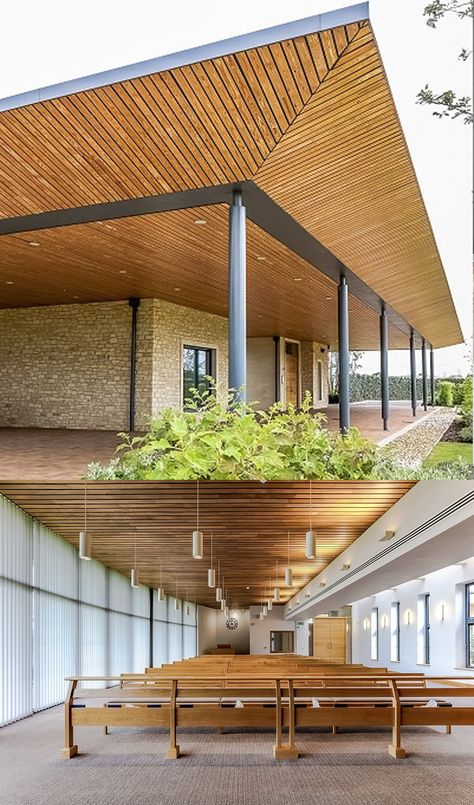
343 338
424 375
134 304
237 298
413 373
432 377
384 367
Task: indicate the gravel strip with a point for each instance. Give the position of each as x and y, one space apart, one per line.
413 447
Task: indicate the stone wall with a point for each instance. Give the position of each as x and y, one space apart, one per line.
310 354
261 371
65 366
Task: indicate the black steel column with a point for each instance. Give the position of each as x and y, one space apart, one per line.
413 373
432 377
151 630
134 304
424 375
384 367
237 298
343 339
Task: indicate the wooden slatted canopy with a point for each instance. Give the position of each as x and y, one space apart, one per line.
249 522
304 112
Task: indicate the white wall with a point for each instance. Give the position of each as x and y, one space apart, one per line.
447 647
238 638
302 637
206 629
260 630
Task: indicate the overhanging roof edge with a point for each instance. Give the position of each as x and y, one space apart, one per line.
266 36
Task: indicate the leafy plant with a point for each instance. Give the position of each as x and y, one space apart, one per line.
445 393
210 440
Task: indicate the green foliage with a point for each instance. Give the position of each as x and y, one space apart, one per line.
445 393
466 400
235 442
453 469
447 103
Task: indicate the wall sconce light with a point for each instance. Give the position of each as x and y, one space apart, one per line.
387 536
366 624
346 566
441 613
384 621
322 583
408 617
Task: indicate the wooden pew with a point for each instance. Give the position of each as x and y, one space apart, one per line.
280 701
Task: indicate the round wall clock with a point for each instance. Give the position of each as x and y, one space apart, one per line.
232 623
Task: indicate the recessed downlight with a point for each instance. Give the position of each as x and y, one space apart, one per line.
298 279
33 243
200 221
261 258
122 271
9 282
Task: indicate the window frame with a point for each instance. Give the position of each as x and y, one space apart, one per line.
211 365
469 621
395 631
374 634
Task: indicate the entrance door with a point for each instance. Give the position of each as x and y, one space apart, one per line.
291 372
329 639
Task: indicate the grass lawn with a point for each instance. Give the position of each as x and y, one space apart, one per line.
449 451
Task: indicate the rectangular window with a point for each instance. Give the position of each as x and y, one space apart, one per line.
395 632
423 626
198 367
320 381
470 625
374 634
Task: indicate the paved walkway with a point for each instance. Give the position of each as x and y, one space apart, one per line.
61 455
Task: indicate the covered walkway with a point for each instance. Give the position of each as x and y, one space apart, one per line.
56 454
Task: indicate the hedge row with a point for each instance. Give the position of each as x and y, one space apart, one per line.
367 387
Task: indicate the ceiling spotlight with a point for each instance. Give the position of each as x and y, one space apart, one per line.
387 536
346 566
322 583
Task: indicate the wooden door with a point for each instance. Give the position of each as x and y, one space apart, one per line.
291 372
329 639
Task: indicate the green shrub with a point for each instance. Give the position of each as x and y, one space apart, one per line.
236 442
458 393
445 393
466 401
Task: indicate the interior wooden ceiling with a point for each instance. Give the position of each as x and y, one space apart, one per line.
249 522
168 256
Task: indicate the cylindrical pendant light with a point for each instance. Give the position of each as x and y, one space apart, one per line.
198 537
187 608
161 592
276 589
85 545
134 575
176 600
261 616
270 604
85 539
311 536
223 603
218 588
288 570
211 573
265 610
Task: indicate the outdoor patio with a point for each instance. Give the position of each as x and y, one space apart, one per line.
56 454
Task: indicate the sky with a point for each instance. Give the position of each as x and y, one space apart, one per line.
53 41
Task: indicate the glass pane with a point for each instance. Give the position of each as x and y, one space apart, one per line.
470 645
470 599
189 376
203 370
160 643
281 642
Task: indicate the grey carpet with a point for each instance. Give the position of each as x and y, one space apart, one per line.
129 766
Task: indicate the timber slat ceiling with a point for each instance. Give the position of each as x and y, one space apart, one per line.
249 523
286 295
310 120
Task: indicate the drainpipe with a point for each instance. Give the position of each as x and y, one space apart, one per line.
134 304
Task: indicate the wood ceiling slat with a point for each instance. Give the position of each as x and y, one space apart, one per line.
165 251
249 523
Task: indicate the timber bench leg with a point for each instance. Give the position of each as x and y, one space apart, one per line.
70 749
106 729
448 729
395 749
173 751
288 752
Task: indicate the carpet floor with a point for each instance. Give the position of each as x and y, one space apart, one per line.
237 768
